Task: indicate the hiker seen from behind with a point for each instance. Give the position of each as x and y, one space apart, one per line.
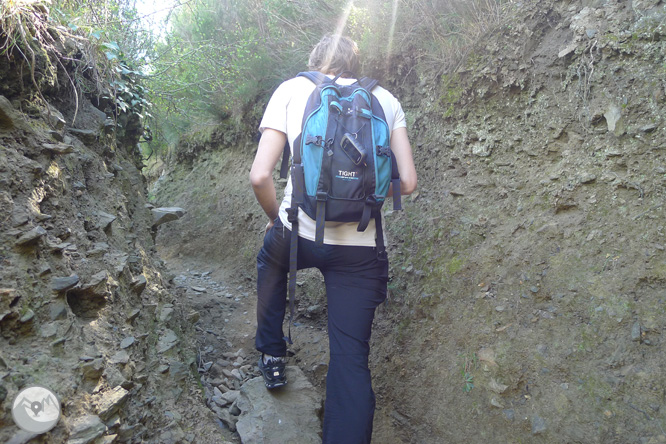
349 152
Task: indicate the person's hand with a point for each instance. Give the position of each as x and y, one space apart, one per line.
269 225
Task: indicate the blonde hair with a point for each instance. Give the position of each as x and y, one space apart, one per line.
334 54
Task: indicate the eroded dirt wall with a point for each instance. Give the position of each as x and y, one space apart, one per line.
528 298
528 271
86 307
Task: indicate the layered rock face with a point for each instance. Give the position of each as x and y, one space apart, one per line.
86 307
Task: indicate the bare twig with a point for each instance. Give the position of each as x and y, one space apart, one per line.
653 207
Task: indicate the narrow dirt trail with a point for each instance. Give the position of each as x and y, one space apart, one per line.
225 333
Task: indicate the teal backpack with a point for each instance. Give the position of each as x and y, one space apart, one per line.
342 163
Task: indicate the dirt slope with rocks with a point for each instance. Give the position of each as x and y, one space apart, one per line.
531 265
87 308
528 271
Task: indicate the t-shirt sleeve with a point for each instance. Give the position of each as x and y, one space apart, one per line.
393 112
399 120
275 115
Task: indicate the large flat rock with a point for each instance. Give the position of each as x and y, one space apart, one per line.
166 214
282 416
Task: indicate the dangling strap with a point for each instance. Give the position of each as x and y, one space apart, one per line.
320 218
381 248
298 188
368 210
395 182
284 166
292 216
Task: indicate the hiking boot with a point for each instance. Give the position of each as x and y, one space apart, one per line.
273 371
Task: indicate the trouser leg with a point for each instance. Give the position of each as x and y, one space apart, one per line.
272 269
354 290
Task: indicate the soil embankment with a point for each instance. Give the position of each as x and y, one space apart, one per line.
528 271
87 309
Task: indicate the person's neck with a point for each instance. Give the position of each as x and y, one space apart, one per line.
332 74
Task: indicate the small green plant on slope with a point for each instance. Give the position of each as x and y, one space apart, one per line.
469 363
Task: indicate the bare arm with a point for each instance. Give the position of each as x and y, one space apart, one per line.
402 151
270 147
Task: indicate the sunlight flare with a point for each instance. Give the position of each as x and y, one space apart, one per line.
342 22
394 16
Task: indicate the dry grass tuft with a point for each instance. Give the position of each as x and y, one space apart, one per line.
28 32
449 29
24 29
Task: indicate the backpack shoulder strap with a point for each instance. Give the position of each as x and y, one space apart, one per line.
368 83
315 77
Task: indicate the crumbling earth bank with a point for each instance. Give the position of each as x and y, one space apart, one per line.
86 307
528 271
530 268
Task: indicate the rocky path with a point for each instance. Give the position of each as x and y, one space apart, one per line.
233 388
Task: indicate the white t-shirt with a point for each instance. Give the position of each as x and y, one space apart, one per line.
284 113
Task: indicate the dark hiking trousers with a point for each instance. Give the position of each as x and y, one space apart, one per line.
355 285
